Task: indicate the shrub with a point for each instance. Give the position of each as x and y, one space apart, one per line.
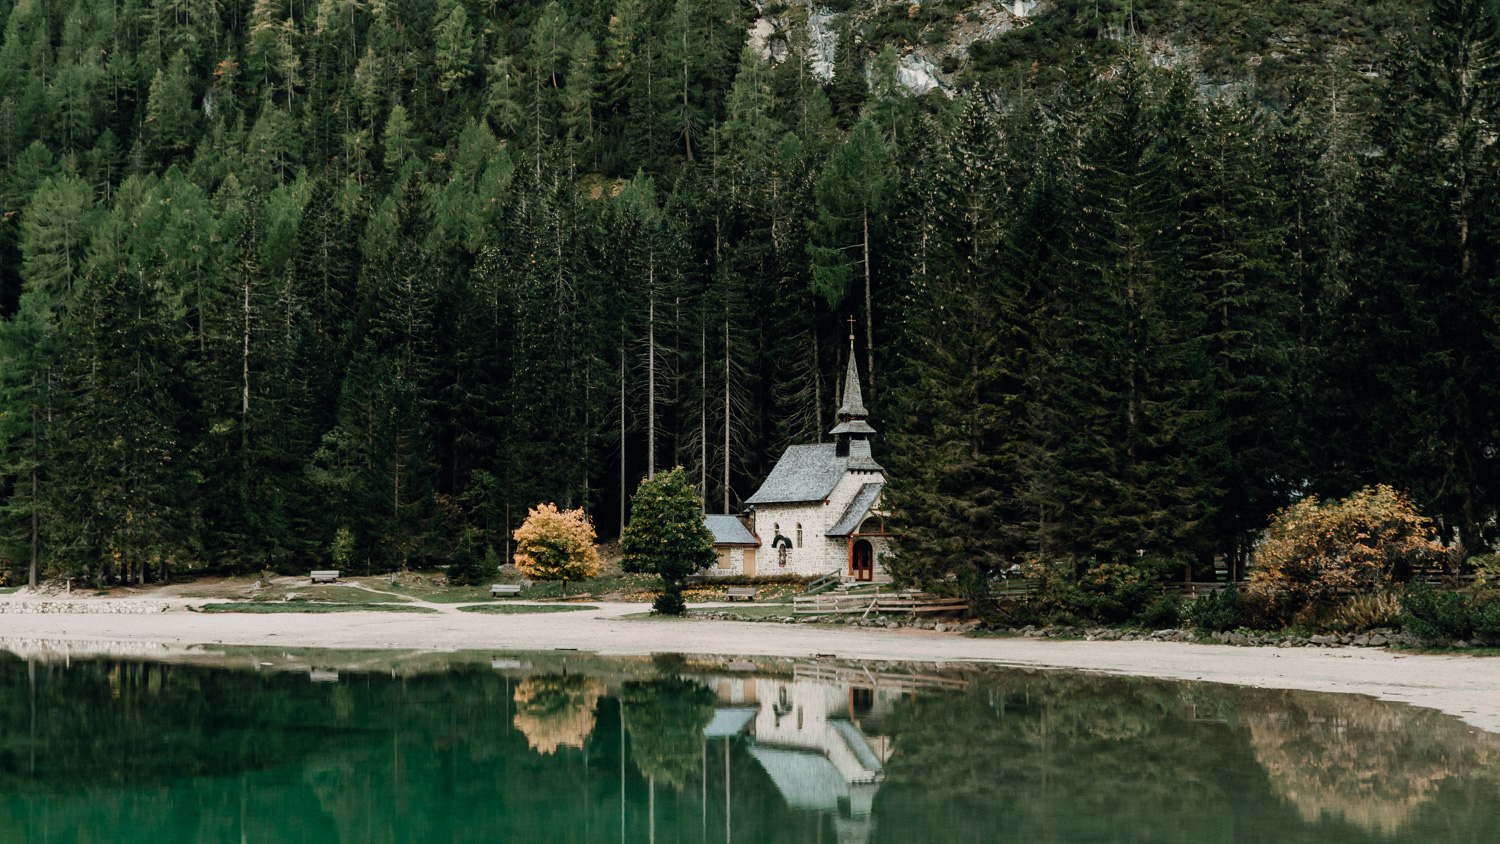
1362 613
1164 612
1217 611
1106 592
669 602
556 544
1313 551
1431 614
1436 615
1261 610
1116 592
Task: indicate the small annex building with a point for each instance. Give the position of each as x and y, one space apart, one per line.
735 544
819 510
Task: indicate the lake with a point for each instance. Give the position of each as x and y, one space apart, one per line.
260 745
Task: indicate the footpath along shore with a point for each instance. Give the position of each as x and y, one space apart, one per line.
1466 687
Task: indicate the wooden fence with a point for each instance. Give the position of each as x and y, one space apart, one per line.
874 602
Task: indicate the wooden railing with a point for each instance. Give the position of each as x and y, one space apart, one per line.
883 602
827 579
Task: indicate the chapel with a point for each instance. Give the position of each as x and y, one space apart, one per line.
819 510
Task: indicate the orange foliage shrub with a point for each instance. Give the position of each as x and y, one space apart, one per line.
556 545
1313 550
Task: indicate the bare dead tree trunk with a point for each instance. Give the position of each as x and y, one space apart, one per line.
869 313
703 411
35 534
245 354
726 415
651 371
622 431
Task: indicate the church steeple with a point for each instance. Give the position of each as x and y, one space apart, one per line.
852 427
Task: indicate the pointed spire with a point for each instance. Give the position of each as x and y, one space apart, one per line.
851 414
854 400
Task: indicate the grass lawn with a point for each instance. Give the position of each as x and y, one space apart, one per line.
308 606
512 609
8 590
431 586
1403 649
299 588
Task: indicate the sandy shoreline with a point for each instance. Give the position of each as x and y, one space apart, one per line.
1468 688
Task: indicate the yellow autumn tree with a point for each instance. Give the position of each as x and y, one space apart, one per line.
556 544
1314 550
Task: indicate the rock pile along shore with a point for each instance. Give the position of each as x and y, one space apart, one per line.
73 607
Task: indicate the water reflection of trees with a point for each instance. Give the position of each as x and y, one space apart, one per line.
665 718
556 710
1055 757
1052 757
191 753
1370 763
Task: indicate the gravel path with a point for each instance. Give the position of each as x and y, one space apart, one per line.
1463 686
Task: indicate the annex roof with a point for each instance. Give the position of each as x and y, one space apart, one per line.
858 508
729 530
804 473
729 722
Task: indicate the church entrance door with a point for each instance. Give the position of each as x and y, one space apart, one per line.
862 564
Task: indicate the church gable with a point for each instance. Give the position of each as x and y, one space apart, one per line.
858 508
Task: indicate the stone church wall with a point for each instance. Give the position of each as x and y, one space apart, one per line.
818 553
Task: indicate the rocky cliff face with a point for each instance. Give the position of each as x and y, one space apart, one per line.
945 46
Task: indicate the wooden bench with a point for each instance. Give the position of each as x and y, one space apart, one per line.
498 589
742 592
325 576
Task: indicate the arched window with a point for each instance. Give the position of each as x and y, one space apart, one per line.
799 534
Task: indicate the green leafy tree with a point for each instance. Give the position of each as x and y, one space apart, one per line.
667 536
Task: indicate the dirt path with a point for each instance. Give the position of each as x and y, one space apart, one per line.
1466 687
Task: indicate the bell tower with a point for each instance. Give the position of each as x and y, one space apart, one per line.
852 433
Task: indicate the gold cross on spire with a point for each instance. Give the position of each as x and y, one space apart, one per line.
851 328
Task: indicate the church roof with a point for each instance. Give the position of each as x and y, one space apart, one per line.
805 780
804 473
854 400
729 530
856 511
853 426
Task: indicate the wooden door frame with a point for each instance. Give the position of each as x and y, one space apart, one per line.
854 540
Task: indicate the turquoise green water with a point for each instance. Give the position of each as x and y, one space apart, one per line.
573 748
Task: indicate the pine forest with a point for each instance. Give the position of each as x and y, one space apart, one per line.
285 278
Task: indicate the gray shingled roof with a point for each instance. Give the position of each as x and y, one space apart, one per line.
729 530
805 780
858 508
853 426
804 473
